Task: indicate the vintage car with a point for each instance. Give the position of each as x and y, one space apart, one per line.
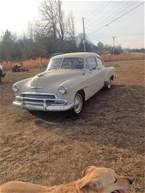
69 80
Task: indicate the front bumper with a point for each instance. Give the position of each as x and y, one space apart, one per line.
42 104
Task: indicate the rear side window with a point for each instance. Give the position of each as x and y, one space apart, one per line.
91 63
73 63
99 62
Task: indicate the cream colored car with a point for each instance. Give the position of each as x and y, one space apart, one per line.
69 80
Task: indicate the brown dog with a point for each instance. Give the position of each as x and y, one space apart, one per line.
94 180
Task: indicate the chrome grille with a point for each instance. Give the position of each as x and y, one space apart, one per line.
38 99
41 101
38 96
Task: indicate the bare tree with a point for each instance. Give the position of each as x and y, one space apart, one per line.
7 50
49 17
53 18
70 27
60 20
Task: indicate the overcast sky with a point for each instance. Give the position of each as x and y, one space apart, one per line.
128 30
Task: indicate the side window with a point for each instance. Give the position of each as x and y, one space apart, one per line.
91 63
99 62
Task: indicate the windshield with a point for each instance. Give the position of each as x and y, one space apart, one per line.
66 63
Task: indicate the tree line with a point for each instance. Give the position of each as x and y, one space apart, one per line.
54 33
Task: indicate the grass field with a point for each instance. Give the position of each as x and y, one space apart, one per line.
41 62
52 148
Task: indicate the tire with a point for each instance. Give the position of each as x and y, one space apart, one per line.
108 84
78 104
0 75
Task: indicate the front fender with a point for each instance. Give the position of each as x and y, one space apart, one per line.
73 86
23 84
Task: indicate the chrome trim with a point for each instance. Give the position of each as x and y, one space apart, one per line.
47 108
42 104
33 103
38 99
37 93
41 99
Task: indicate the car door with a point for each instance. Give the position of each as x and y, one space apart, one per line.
101 72
93 80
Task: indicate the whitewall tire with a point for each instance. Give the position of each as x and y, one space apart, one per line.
78 103
109 84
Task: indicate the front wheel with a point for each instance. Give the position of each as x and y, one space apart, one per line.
78 104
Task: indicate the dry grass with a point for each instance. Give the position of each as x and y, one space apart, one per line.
52 148
124 57
32 63
41 62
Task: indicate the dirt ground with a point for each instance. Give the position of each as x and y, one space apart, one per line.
53 148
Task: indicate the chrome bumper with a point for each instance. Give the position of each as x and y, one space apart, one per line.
58 105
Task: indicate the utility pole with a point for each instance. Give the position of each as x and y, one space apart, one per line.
113 44
84 35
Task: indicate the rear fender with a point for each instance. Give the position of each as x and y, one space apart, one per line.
110 74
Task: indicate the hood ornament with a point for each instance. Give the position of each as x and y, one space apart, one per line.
36 88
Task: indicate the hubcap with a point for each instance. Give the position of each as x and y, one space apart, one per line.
78 103
109 84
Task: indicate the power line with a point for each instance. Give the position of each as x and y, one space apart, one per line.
107 6
109 17
119 11
127 12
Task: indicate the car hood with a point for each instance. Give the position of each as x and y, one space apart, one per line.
53 78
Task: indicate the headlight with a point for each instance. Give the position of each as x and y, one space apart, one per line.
15 88
62 90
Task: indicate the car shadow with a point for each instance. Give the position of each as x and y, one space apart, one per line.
117 112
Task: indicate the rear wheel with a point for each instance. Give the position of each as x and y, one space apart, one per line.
0 75
78 103
108 84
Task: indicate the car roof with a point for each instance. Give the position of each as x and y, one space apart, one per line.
77 54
